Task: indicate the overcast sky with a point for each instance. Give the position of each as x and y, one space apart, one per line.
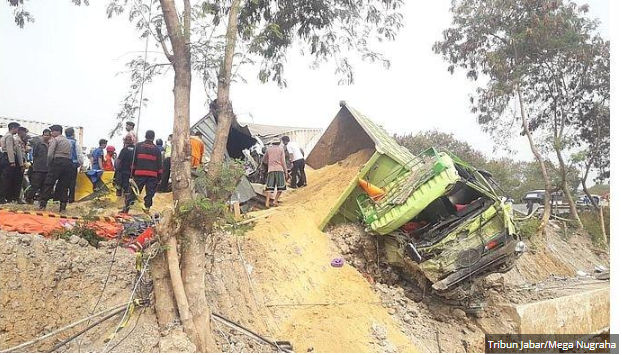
63 68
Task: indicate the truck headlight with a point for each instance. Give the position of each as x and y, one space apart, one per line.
520 247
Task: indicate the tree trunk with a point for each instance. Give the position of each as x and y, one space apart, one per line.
165 306
180 294
598 208
564 185
193 274
224 109
190 285
546 215
602 225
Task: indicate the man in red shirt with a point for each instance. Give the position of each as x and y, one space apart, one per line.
146 171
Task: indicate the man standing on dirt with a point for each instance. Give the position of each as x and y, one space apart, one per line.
146 170
39 165
277 170
60 169
297 157
11 162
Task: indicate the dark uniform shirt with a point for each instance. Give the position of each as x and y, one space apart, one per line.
125 158
39 155
147 160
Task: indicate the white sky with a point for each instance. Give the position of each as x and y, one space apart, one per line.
63 68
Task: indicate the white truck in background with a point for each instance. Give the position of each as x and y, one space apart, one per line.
36 128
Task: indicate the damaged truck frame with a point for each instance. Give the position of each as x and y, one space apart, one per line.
439 220
443 219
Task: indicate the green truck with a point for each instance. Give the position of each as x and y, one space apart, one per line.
443 218
440 220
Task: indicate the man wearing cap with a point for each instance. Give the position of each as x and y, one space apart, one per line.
275 181
60 169
11 162
109 158
129 127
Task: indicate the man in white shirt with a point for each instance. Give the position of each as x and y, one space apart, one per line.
297 157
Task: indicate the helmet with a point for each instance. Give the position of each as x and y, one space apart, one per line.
110 148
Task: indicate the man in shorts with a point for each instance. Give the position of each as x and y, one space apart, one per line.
277 170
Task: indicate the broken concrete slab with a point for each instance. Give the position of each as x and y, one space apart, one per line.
586 312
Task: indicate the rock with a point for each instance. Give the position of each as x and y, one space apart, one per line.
83 242
471 327
176 342
378 331
74 239
458 313
391 311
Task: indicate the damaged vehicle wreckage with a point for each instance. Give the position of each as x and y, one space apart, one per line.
443 224
443 220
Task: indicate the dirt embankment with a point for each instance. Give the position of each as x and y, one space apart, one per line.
555 268
277 280
47 284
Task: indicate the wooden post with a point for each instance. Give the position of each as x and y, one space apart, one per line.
236 211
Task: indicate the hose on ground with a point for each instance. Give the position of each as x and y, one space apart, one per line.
94 324
34 341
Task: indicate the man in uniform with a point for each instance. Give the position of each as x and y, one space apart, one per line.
11 162
39 165
60 169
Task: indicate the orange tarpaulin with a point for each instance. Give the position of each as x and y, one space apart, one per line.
45 225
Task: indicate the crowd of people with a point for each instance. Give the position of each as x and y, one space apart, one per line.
46 167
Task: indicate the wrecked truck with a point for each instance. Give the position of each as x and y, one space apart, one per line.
444 220
440 221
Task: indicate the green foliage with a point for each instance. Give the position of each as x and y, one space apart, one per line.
600 189
210 207
84 229
528 228
327 31
591 223
548 50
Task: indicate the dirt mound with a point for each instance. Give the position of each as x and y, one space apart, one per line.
56 283
315 306
557 257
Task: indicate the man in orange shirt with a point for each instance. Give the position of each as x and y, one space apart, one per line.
197 149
